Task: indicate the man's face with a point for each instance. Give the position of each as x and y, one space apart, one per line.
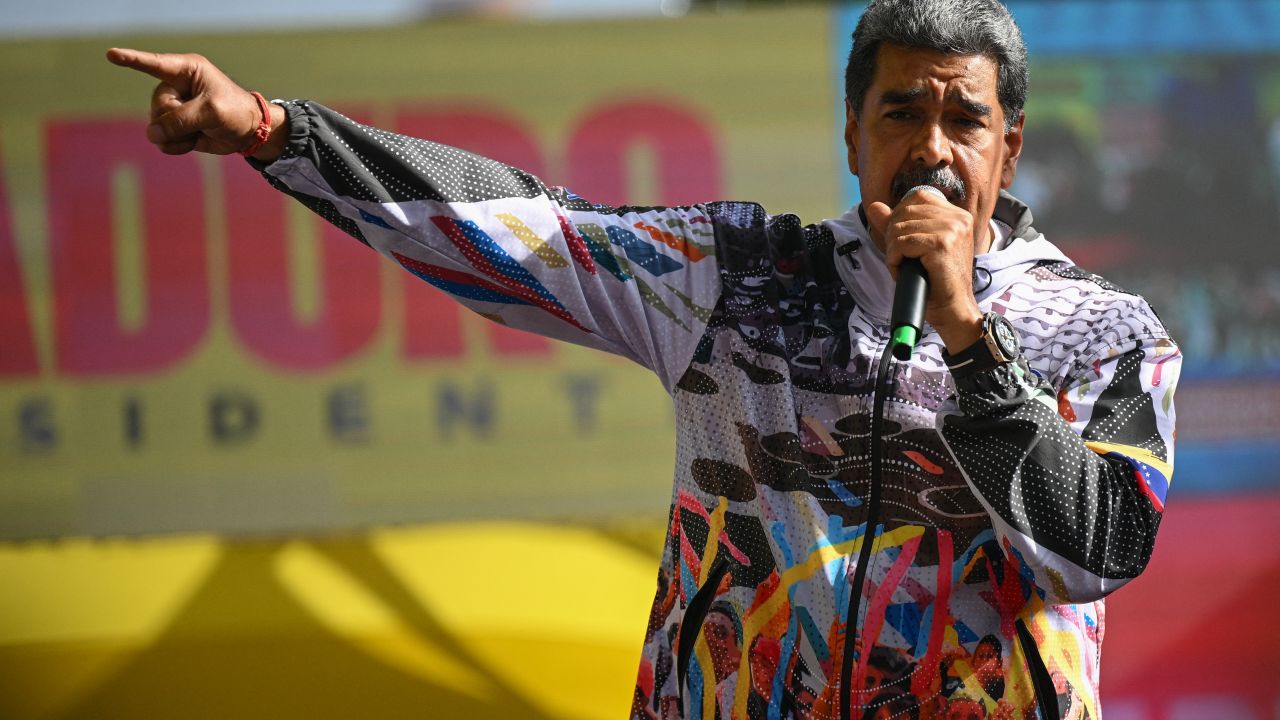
933 118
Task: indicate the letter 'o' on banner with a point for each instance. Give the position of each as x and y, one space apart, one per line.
103 177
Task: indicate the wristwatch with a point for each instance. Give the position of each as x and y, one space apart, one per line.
997 345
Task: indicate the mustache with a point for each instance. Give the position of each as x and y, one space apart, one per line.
944 179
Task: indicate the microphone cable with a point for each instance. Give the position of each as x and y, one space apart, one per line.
868 536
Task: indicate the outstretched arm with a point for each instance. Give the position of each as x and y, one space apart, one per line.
638 282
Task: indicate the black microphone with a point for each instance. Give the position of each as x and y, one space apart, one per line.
907 319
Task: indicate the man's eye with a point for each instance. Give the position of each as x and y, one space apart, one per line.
969 123
899 115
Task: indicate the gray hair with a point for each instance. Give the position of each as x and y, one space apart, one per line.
963 27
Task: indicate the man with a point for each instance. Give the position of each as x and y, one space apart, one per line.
1000 482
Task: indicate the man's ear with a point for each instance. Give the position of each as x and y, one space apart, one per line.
1013 150
851 136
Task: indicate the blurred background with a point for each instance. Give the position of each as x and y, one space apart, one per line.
247 470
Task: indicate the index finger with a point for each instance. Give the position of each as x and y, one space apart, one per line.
173 69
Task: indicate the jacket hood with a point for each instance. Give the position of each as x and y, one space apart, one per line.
861 264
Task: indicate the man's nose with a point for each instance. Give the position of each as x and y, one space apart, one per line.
931 147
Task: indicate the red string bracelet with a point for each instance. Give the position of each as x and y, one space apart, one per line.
263 132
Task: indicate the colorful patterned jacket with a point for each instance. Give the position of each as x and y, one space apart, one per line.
1010 500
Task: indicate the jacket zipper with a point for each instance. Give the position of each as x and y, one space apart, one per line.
695 612
1046 696
869 535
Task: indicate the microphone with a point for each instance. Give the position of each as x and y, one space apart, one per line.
907 319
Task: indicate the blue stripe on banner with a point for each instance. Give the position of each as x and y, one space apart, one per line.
1225 467
845 18
1093 28
1119 27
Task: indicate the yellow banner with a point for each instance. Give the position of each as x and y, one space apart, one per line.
186 350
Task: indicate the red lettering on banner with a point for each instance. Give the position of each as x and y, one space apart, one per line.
688 161
432 328
89 337
18 351
92 338
261 281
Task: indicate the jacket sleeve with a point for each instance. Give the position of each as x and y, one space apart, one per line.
637 282
1075 484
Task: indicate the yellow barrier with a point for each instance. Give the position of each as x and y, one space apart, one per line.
499 619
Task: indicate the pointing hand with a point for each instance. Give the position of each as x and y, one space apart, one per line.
197 107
